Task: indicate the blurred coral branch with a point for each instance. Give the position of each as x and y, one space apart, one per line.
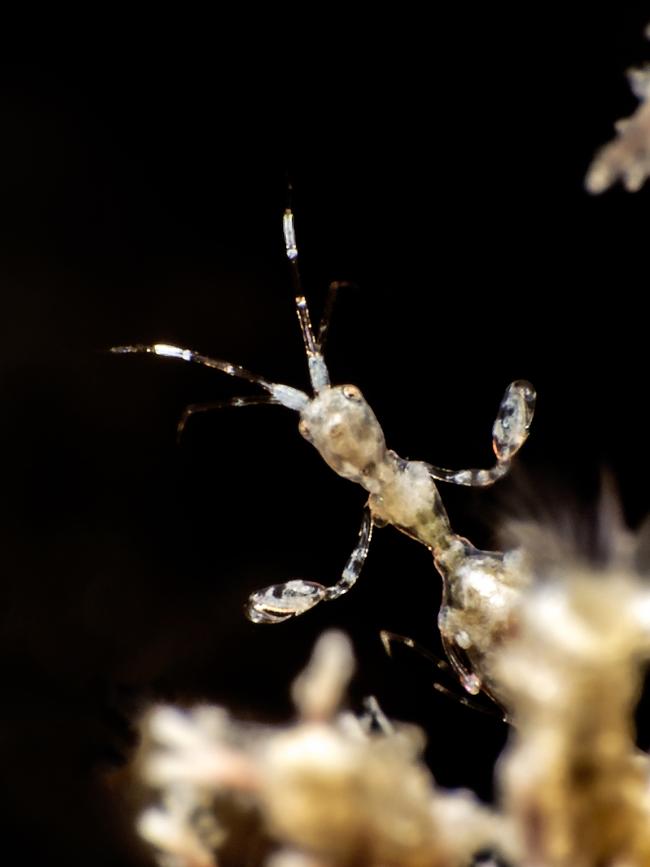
627 157
328 790
336 790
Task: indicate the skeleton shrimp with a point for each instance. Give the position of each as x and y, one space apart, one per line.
481 589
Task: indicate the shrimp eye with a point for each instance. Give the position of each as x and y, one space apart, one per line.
303 427
351 392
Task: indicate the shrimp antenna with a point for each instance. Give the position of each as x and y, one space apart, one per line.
285 395
318 373
280 394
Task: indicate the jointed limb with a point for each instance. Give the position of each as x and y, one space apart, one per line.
509 433
286 395
388 639
356 560
251 400
281 601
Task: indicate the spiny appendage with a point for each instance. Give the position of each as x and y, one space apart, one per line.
445 671
279 602
509 433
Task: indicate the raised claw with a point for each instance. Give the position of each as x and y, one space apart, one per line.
511 426
279 602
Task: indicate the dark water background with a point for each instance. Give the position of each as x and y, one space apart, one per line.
438 164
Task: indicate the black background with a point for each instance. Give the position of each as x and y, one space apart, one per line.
437 162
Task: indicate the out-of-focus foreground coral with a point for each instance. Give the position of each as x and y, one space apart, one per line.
332 789
336 790
574 787
627 157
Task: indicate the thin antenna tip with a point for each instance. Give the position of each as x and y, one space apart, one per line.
289 235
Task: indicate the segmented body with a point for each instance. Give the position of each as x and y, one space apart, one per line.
481 589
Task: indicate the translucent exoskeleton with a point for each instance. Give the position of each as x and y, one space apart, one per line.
481 589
